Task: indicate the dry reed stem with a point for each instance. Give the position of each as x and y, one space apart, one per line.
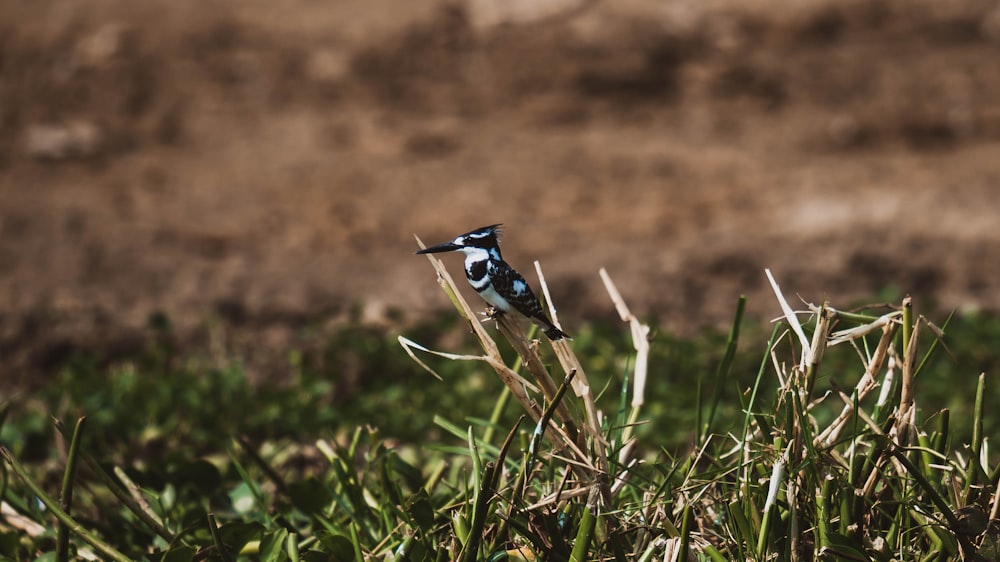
817 348
793 321
581 387
853 334
512 331
890 460
580 383
409 345
558 496
903 428
866 384
640 339
511 379
995 505
640 342
567 439
553 313
564 441
906 417
863 415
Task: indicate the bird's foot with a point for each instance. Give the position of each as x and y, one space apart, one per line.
494 313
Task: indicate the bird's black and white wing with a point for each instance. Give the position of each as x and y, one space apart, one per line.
509 284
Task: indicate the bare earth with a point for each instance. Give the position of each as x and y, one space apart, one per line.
267 164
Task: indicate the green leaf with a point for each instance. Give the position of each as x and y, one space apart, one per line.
339 547
272 546
180 553
420 510
317 556
310 495
237 534
411 475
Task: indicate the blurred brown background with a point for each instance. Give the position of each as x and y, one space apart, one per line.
267 163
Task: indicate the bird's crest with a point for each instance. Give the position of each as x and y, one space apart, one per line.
485 237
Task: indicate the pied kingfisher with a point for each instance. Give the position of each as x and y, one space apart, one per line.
494 280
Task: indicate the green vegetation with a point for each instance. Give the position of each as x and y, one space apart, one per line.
853 435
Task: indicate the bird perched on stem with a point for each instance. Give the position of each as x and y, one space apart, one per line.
498 283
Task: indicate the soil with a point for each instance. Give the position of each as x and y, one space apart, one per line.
265 165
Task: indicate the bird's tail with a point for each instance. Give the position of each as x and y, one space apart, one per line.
550 329
555 334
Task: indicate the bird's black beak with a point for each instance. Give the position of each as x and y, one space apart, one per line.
446 247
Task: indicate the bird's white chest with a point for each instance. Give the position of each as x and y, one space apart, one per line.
481 271
490 295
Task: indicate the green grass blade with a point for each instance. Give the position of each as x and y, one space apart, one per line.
250 482
53 506
356 543
976 469
749 408
722 372
66 498
687 520
713 554
743 529
121 494
292 547
936 498
584 536
470 550
220 547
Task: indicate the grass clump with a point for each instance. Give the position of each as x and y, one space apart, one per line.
820 450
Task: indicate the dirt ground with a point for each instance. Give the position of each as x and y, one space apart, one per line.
267 164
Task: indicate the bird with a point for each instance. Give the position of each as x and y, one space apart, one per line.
497 283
